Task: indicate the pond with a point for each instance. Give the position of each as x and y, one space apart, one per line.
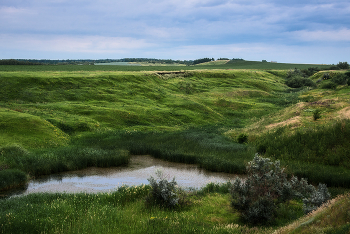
140 168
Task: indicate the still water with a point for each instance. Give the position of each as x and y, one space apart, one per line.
140 168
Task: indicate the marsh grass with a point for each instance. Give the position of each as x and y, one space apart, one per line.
44 162
12 178
202 146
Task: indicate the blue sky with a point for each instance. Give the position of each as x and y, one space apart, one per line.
284 31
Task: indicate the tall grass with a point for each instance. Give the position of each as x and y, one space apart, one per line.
44 162
321 154
11 178
123 211
205 147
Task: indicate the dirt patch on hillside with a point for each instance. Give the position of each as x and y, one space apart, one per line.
295 121
344 113
323 103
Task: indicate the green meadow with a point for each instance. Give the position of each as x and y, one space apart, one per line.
56 118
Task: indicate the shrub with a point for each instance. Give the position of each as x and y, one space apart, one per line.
298 82
242 138
317 198
328 85
326 76
340 79
163 192
310 71
267 186
343 65
316 114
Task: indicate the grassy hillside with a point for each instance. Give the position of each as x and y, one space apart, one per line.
29 130
91 101
54 120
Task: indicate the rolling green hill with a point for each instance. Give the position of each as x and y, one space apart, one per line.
58 118
91 101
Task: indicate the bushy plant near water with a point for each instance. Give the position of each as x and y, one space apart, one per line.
163 192
267 185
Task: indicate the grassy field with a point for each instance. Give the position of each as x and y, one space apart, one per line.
58 118
219 64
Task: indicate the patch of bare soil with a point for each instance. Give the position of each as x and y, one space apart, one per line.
323 103
292 121
344 113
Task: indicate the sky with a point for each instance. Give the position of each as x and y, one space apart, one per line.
298 31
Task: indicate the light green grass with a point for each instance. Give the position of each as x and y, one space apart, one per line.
28 130
123 211
94 101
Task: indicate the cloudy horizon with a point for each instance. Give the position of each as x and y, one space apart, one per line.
315 32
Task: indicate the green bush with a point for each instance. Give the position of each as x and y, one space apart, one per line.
328 85
316 114
242 138
340 79
297 78
326 76
298 82
267 186
163 192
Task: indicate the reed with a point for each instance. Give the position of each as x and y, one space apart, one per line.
11 178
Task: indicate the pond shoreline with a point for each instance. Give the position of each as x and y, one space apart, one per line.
140 168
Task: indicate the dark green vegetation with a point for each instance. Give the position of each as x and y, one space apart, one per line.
205 147
267 188
57 118
48 161
11 178
320 154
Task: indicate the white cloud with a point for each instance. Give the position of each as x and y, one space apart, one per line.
341 35
72 44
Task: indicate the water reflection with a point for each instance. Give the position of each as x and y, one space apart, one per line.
93 180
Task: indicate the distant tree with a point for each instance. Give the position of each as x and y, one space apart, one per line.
202 60
343 65
16 62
